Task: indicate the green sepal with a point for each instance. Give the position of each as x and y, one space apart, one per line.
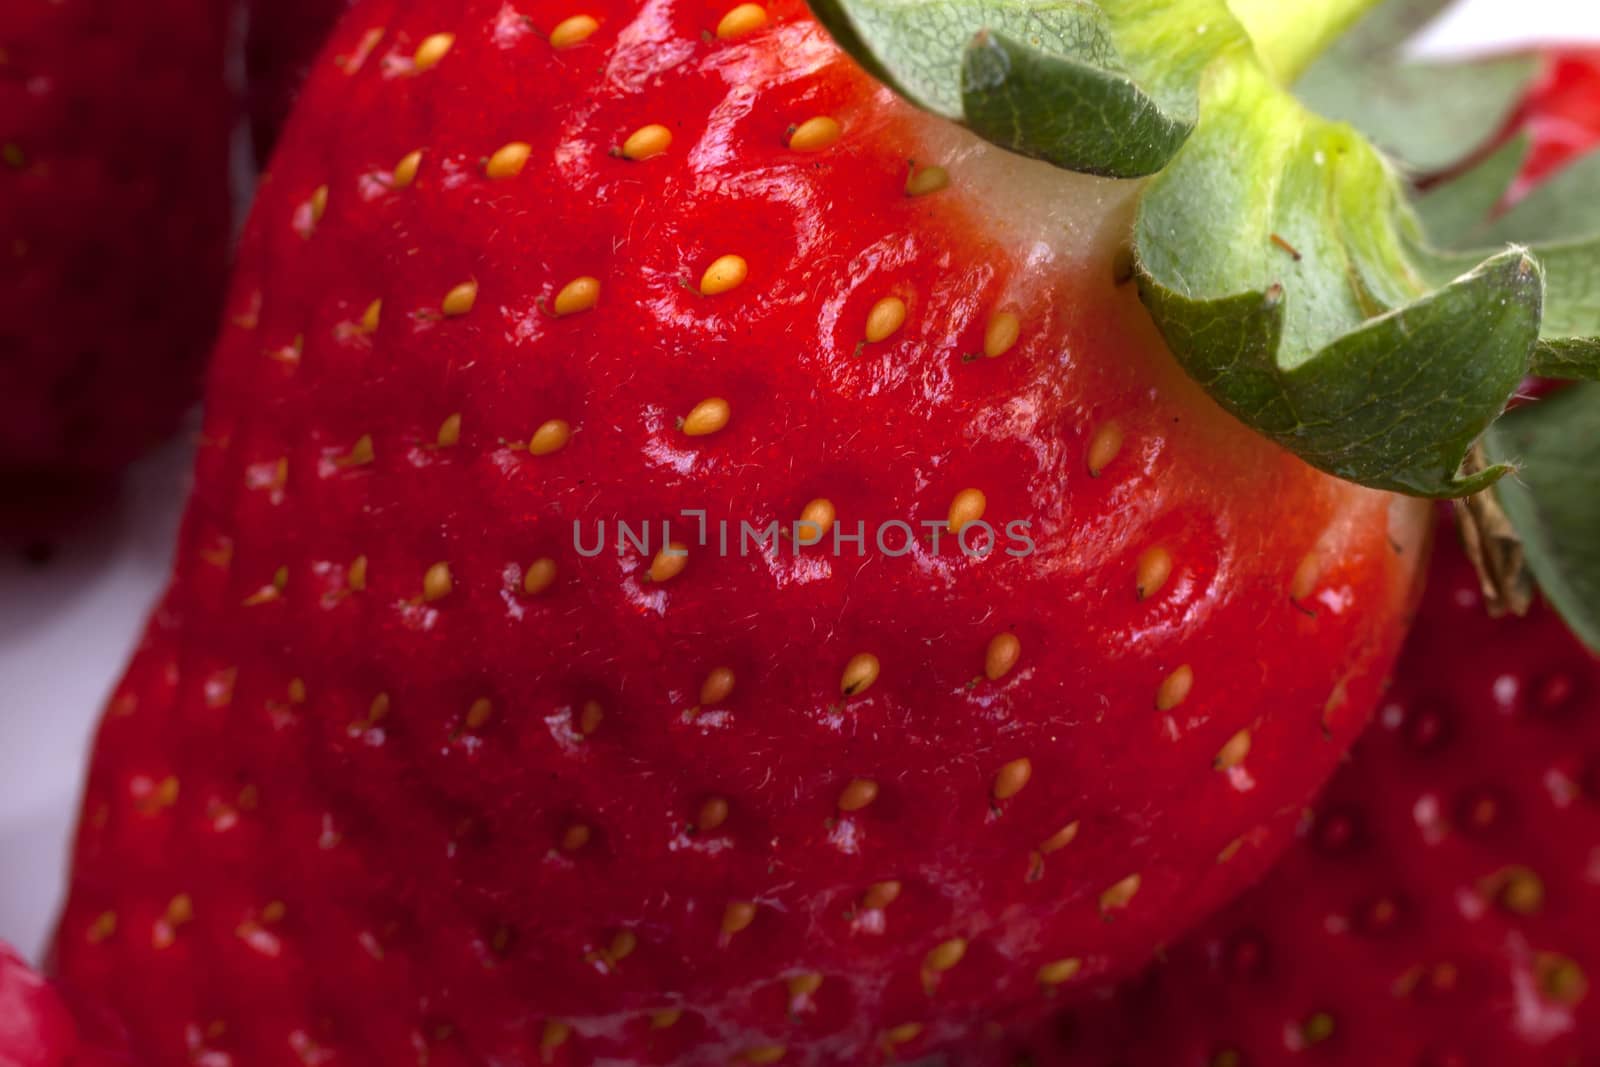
1427 115
1554 499
1099 88
1074 115
1453 214
1355 396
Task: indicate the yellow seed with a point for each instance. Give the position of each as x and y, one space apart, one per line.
858 794
1155 567
1174 689
967 507
1119 895
450 431
273 912
1002 334
737 917
180 910
647 141
725 273
104 925
1060 971
508 160
432 50
1013 778
437 583
1060 839
946 954
1521 891
405 171
880 895
540 575
555 1035
746 18
361 453
669 562
356 576
1001 656
927 180
1318 1028
717 687
378 710
886 316
664 1019
899 1035
859 674
1306 577
580 294
816 519
573 30
297 691
1234 752
708 417
372 317
805 985
1560 977
1103 447
550 437
459 300
815 134
713 813
765 1054
590 717
623 945
319 203
479 714
576 836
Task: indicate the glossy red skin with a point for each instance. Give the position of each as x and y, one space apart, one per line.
1389 914
36 1027
282 39
426 901
114 226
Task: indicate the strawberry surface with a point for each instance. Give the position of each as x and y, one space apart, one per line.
281 41
1437 910
405 772
36 1027
114 208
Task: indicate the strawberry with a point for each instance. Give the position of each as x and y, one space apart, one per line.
1438 906
405 771
36 1027
114 217
281 42
1561 113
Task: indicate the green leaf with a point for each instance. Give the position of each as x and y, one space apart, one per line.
1071 114
1428 115
1562 217
1454 212
1554 499
1356 398
1562 209
1101 88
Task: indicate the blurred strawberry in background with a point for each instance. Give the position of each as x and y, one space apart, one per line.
115 121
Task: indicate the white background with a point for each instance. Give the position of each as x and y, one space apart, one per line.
67 627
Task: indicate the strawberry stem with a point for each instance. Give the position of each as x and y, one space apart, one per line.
1290 36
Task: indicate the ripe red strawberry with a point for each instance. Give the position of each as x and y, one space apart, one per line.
1438 909
114 206
402 774
281 42
36 1027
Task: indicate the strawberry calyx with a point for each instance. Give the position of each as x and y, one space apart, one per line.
1295 270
